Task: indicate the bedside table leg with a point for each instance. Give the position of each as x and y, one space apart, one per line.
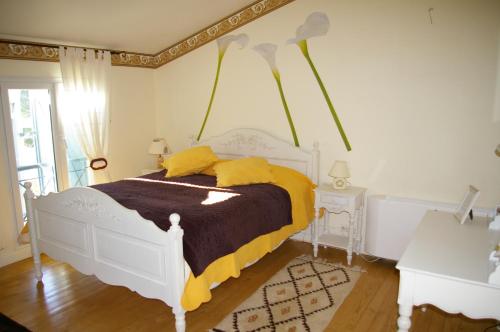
315 232
351 236
357 231
404 321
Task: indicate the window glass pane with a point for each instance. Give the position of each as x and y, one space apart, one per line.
32 129
32 138
77 163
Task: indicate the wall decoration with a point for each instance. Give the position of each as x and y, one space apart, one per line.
24 50
268 52
216 30
222 43
317 24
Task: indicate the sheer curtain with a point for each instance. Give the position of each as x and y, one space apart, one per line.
85 104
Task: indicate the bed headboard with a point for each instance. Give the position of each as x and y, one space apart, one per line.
247 142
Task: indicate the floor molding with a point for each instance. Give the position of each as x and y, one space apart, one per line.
11 256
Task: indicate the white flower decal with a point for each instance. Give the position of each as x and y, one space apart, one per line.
222 43
268 52
317 24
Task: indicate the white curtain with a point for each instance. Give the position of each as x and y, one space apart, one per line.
85 102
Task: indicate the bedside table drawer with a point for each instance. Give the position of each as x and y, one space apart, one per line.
336 200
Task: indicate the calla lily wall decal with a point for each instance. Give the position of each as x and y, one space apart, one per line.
317 24
268 52
222 43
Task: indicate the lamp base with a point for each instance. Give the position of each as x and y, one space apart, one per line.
340 183
159 161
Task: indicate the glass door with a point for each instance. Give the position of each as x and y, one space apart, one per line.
30 130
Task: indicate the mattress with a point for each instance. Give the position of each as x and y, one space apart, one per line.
216 221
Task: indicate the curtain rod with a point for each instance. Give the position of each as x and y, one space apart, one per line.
21 42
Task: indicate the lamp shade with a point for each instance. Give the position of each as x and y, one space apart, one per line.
340 170
157 146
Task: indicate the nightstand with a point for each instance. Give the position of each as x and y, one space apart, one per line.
350 201
150 170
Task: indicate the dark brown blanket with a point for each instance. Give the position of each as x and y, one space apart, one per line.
216 221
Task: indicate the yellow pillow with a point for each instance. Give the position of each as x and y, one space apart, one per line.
210 169
243 171
190 161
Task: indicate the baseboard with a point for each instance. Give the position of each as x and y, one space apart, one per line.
304 236
11 256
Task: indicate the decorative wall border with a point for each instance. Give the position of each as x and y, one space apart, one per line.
227 24
27 51
22 50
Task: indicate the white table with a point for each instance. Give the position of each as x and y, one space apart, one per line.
446 264
350 201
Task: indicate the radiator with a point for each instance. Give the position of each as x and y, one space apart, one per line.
391 221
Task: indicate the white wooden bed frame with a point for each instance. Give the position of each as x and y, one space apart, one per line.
89 230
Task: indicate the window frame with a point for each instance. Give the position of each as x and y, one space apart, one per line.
7 133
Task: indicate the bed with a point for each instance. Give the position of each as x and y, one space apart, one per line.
96 235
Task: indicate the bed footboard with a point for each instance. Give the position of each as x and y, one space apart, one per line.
89 230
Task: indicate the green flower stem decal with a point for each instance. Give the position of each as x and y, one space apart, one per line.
222 43
268 52
219 62
303 47
285 106
317 24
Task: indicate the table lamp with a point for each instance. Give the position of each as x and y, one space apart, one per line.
340 172
157 147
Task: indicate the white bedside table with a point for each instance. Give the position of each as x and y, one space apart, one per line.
350 201
150 170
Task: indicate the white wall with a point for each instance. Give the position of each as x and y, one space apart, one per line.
131 131
416 99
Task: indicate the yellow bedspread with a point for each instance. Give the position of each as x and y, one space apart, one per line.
300 188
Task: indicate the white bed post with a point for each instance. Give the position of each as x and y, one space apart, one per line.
179 273
315 180
315 163
35 252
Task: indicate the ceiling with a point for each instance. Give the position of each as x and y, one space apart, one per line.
143 26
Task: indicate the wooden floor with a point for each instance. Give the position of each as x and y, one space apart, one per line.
70 301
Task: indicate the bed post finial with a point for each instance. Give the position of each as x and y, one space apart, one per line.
35 252
28 192
175 218
193 140
178 276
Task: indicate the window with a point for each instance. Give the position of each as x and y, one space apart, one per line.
78 165
37 151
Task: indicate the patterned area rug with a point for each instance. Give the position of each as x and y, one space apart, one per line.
303 296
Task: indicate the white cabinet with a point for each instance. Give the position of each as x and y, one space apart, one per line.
350 201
